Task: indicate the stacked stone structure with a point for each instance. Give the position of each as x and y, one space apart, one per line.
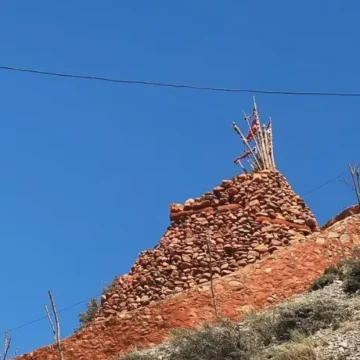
241 219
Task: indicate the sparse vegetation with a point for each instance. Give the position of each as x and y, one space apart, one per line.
299 348
348 271
209 342
278 335
351 275
89 313
307 317
93 306
330 275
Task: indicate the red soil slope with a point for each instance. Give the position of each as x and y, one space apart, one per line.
275 277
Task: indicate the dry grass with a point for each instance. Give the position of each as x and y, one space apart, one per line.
300 348
279 336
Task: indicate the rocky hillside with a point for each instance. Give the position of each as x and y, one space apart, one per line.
263 284
318 325
241 220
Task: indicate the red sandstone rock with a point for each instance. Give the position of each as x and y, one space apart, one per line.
284 273
272 218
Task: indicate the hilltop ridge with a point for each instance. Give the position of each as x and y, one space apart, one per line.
243 219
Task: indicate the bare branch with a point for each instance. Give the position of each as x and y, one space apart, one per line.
207 237
355 177
51 322
55 330
7 345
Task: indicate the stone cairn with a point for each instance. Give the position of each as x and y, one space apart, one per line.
245 218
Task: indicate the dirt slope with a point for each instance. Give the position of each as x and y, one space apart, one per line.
275 277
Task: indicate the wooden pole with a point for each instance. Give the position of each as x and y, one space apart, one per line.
252 133
55 330
261 137
267 148
6 345
271 143
243 138
355 176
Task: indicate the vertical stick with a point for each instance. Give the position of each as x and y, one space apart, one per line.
252 133
261 138
56 331
207 237
242 166
7 345
238 131
271 144
355 176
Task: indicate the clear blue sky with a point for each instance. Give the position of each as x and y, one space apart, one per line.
88 169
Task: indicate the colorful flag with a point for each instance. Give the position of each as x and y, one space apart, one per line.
253 129
243 156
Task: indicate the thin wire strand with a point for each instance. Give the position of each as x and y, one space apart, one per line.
179 86
326 183
45 316
96 296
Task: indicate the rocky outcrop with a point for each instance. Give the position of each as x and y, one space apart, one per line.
263 284
244 219
352 210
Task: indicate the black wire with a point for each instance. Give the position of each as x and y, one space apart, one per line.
326 183
181 86
45 316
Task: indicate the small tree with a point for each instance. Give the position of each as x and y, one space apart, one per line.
89 313
93 305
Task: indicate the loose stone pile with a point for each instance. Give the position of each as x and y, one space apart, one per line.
242 219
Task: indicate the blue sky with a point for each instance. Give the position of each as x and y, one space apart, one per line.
88 169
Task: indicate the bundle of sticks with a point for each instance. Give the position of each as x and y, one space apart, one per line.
258 143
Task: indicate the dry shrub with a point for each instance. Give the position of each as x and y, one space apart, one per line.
348 271
300 348
210 343
256 336
307 317
351 275
331 274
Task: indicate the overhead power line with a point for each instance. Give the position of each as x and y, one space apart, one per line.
178 86
326 183
45 316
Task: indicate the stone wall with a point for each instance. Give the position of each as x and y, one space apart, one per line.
289 271
245 219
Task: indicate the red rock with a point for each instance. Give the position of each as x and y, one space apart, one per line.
186 258
242 177
261 248
218 189
254 254
174 208
235 283
226 183
232 191
255 202
230 207
202 205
